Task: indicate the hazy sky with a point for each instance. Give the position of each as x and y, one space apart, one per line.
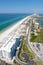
21 6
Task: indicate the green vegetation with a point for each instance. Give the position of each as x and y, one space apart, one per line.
15 63
33 37
25 49
38 63
38 38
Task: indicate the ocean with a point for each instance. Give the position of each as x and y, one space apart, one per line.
7 20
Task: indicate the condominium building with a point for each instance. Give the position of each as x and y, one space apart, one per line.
8 50
36 25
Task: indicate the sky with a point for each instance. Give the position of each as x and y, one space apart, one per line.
21 6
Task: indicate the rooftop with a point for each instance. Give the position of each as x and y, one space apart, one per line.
7 46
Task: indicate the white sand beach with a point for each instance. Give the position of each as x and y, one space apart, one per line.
8 31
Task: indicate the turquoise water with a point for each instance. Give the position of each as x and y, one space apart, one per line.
7 20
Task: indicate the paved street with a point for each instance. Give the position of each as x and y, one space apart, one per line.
33 48
30 45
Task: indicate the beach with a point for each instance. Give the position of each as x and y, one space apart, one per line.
8 31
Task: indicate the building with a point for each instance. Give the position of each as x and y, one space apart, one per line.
8 50
11 44
34 20
36 25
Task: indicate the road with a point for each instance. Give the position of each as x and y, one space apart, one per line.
29 44
18 60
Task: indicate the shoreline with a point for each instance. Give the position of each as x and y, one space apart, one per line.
7 28
11 28
1 31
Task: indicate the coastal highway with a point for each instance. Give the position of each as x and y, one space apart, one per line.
18 60
30 46
16 57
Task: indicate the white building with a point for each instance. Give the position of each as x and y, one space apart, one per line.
11 44
36 25
8 50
